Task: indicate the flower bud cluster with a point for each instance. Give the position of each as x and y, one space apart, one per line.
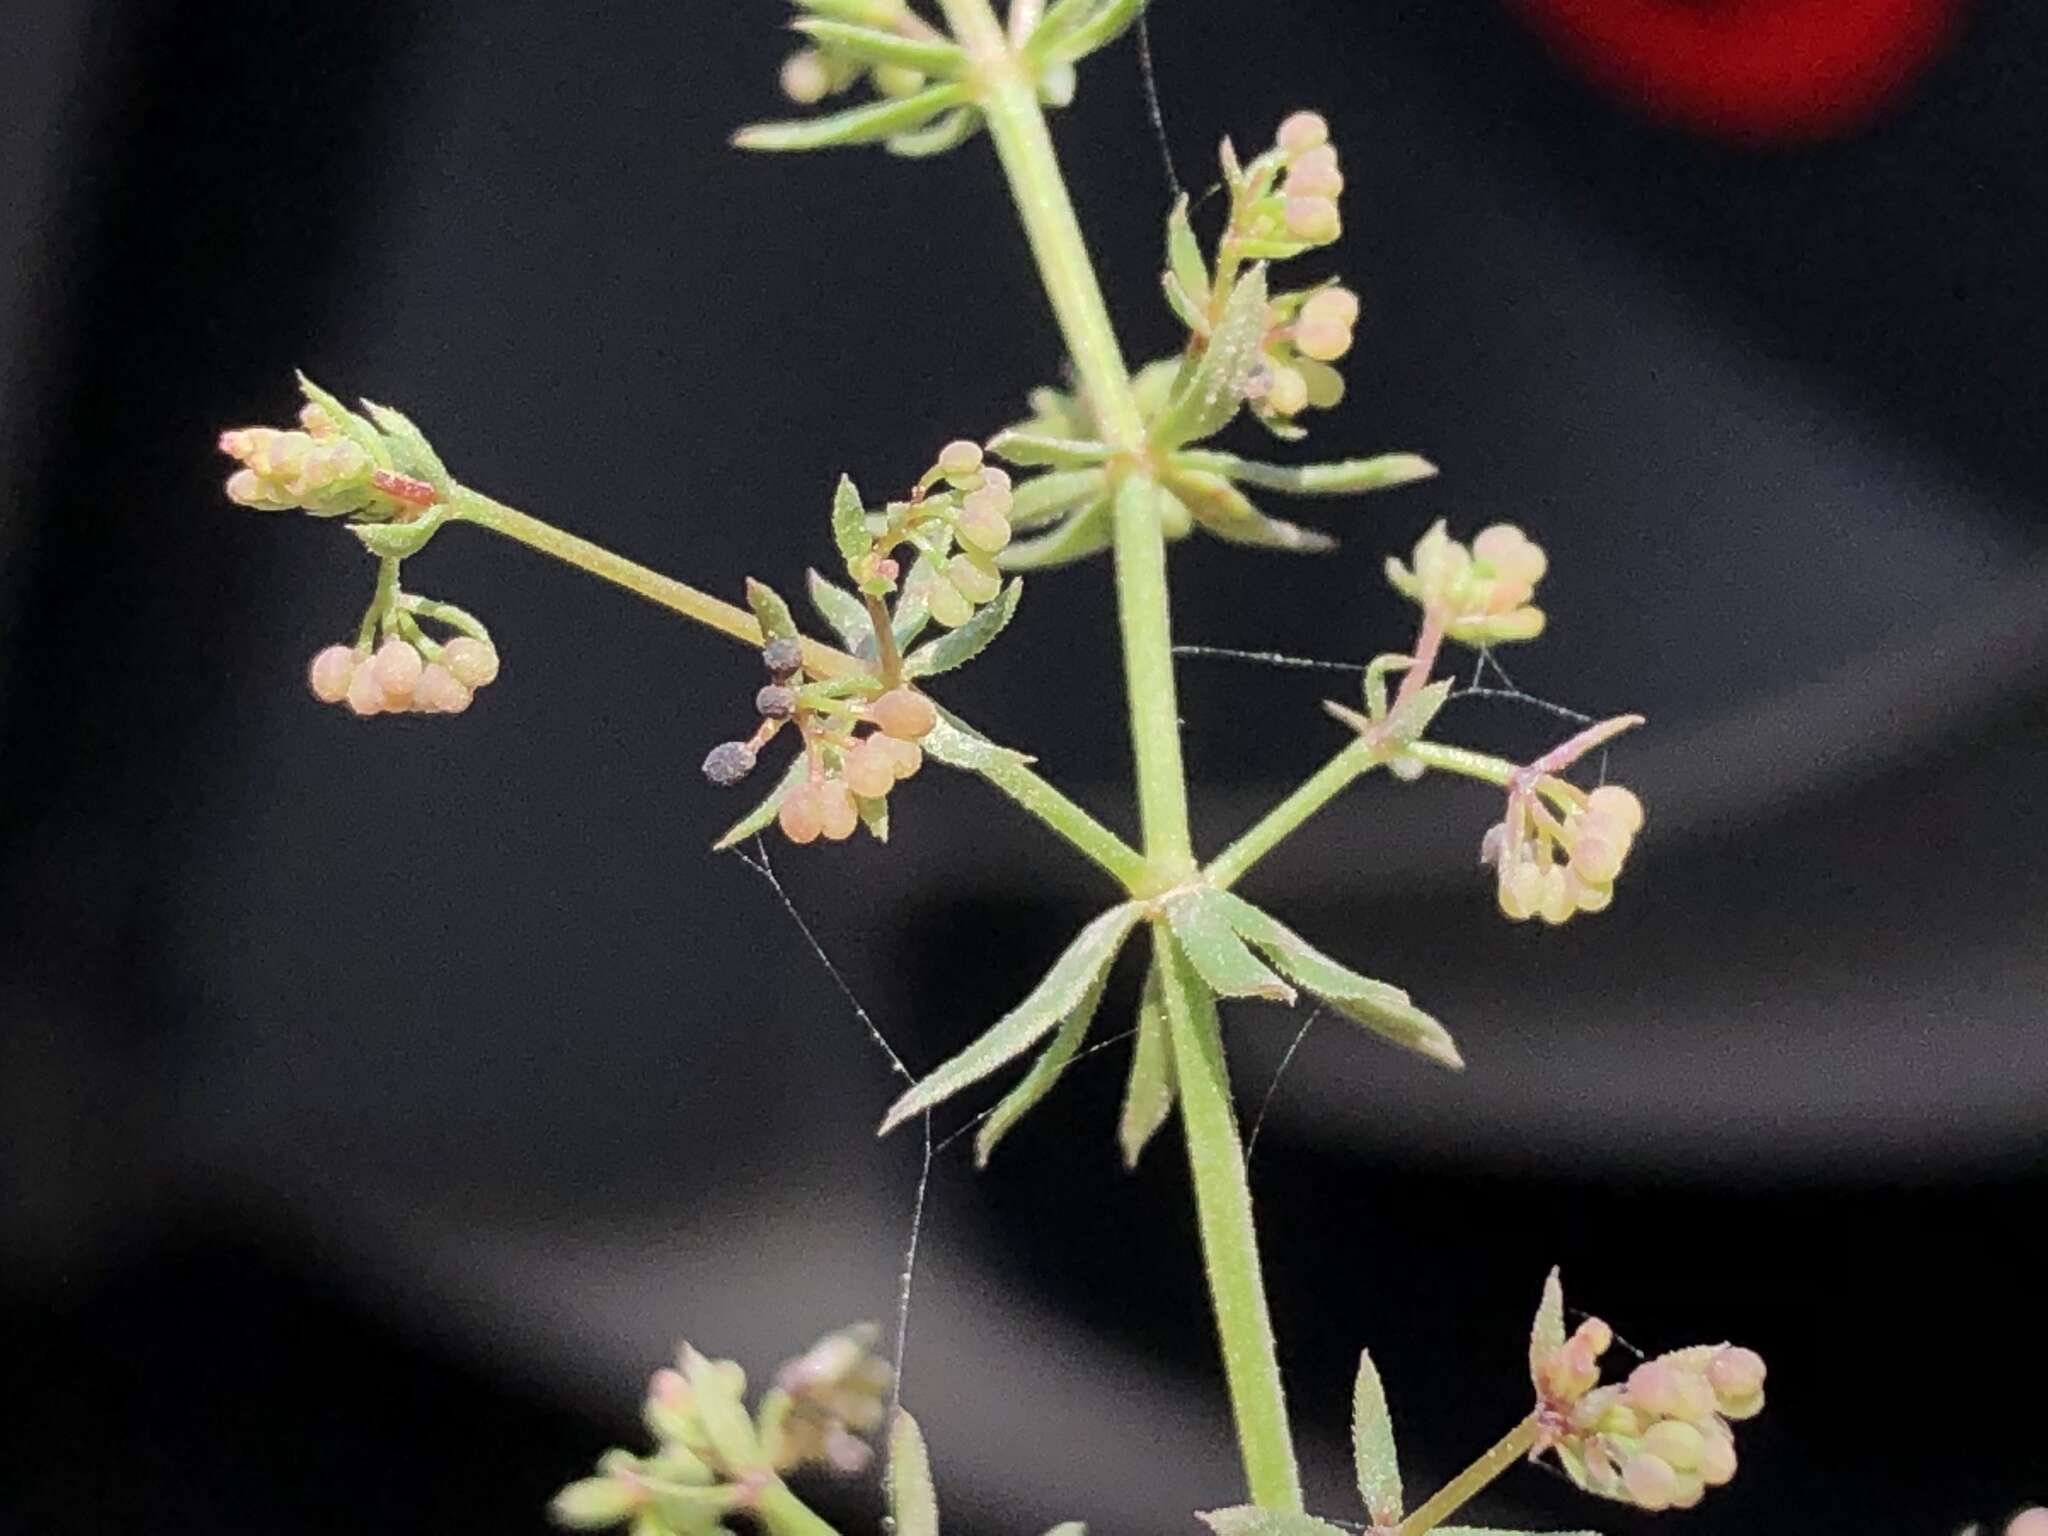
314 469
958 520
1306 333
1310 182
856 749
712 1458
1551 866
828 802
1482 593
1658 1440
401 678
833 1394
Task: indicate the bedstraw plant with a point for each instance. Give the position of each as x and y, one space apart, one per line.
1118 462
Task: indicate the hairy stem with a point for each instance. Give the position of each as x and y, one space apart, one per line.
1087 835
1229 1240
1466 1486
1331 780
1229 1248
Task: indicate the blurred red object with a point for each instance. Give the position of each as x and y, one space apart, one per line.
1783 71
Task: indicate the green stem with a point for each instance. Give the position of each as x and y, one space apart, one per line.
1229 1246
1466 1486
1330 780
787 1515
1223 1200
1087 835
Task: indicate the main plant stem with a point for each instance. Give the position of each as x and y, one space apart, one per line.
1223 1197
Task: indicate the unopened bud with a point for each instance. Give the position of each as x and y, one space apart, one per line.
398 668
474 662
439 693
330 673
365 693
975 576
1313 219
1652 1483
869 773
801 814
1315 174
1301 132
948 607
960 459
904 713
806 79
837 813
1286 392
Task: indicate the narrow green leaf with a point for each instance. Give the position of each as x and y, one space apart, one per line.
356 428
1347 477
856 125
1086 533
850 521
1148 1095
1034 450
1184 308
1039 1080
872 45
958 647
1228 513
1045 497
411 453
1546 1334
1210 390
1184 260
1381 1008
758 818
1372 1446
846 614
947 131
958 745
1376 672
913 1502
1201 925
1058 22
770 611
1098 31
1250 1520
1057 994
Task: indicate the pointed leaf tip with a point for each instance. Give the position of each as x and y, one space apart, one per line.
913 1502
1372 1446
1546 1334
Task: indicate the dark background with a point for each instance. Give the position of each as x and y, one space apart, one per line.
381 1101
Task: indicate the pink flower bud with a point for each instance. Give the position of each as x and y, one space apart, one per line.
869 773
960 459
1301 132
1735 1372
806 80
439 693
1614 803
802 813
1315 174
905 757
330 673
1651 1483
837 814
473 662
398 670
904 713
2029 1522
1313 219
1322 338
982 526
1677 1442
1717 1457
365 693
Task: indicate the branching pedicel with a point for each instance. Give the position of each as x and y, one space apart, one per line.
1116 462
